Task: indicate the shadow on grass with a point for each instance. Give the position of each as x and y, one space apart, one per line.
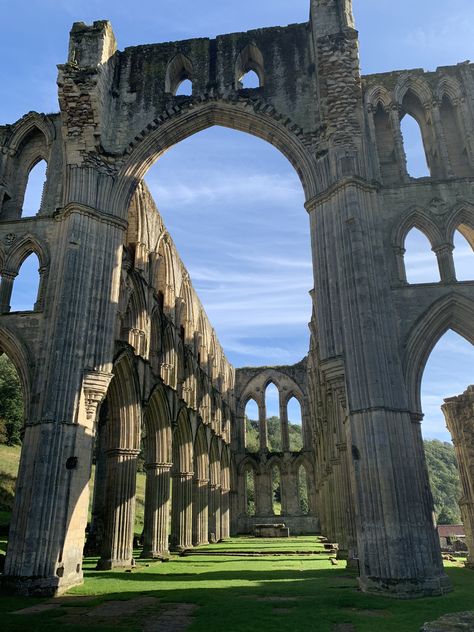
249 599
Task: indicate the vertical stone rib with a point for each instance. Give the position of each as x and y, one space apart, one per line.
182 511
157 509
117 549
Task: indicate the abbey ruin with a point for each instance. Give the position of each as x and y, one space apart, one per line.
119 353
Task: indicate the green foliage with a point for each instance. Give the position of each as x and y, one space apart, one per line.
444 479
251 435
11 403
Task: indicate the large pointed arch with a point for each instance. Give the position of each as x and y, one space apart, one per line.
453 311
262 122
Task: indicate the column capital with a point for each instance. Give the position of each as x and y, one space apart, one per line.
158 466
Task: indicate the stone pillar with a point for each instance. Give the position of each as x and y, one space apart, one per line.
96 533
225 513
444 254
200 511
263 433
46 542
394 115
182 511
214 512
263 494
459 415
401 268
117 546
289 497
157 510
285 432
6 289
397 544
440 140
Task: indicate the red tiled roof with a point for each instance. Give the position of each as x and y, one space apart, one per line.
450 530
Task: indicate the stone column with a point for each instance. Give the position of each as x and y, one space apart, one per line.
263 494
459 415
182 511
440 140
397 544
117 546
214 512
96 533
394 115
401 268
157 510
225 513
6 289
200 511
263 433
49 518
444 254
285 432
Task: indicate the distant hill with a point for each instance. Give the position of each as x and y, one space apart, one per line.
440 458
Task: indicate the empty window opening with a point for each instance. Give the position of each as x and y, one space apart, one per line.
463 258
250 492
420 261
272 404
26 286
185 89
250 80
447 373
295 428
252 427
276 490
417 165
303 490
34 189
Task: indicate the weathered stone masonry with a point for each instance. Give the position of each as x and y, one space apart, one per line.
118 341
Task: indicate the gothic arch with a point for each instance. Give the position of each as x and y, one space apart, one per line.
188 121
378 95
20 355
157 421
249 58
453 311
420 219
27 125
462 219
201 454
183 444
415 84
179 69
124 426
23 249
450 87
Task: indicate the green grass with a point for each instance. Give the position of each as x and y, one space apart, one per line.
291 594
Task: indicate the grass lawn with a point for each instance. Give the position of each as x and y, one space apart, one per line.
232 594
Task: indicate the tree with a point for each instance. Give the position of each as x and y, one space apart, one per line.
11 403
444 480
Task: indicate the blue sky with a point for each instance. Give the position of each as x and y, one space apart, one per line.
238 198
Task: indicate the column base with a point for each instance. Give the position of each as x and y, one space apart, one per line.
40 586
110 565
155 555
179 548
406 588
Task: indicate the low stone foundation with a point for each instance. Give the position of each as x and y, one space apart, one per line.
271 531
